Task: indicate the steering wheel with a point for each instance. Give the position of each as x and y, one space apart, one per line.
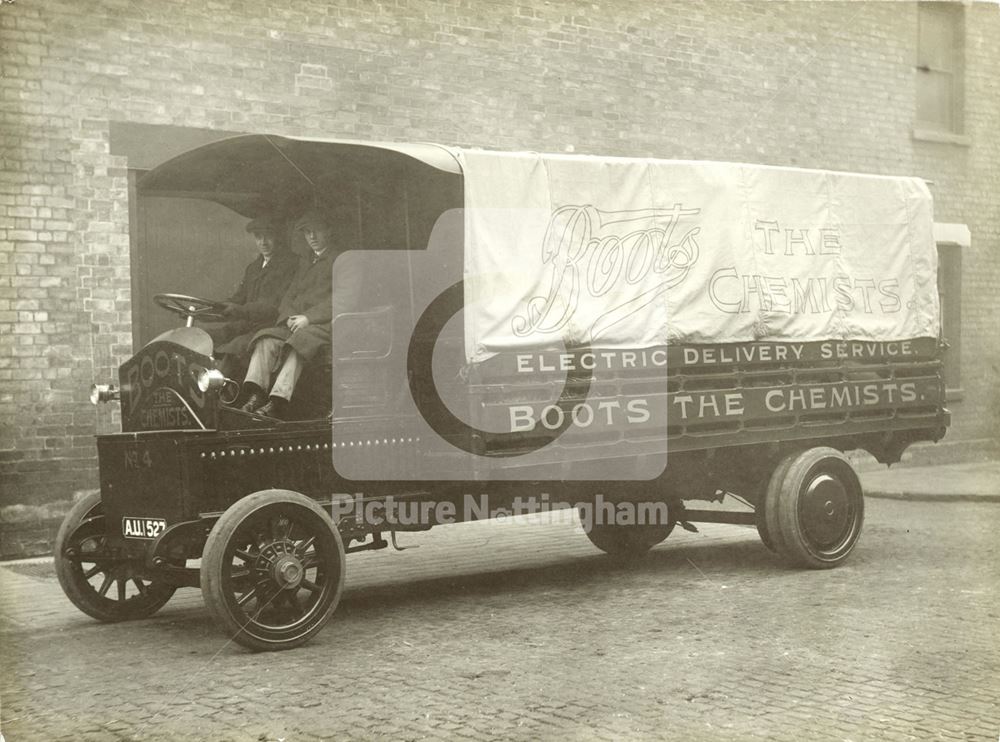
191 307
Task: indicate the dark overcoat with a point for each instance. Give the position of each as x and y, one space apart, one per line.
256 302
320 293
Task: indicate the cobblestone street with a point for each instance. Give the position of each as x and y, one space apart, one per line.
523 630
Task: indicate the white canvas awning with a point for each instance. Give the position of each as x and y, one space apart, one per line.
634 253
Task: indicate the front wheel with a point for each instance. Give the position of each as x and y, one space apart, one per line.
815 508
273 570
99 582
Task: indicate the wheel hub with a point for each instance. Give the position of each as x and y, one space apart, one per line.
826 509
279 562
287 572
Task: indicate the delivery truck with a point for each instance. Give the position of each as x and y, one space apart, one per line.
637 339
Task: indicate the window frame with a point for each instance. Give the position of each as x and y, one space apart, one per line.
951 239
951 14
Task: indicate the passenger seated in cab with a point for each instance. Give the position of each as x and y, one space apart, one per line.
302 331
254 304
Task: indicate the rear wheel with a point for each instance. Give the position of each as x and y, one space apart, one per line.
762 530
97 581
627 540
768 533
814 508
273 570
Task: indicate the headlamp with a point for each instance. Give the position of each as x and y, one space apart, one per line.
102 393
210 379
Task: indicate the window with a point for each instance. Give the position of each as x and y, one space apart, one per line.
951 239
940 70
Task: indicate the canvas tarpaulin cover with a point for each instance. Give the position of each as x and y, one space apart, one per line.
567 251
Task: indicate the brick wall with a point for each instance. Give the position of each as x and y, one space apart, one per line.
826 85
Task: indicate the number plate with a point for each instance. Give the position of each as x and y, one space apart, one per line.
143 527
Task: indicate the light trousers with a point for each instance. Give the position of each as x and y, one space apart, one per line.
265 362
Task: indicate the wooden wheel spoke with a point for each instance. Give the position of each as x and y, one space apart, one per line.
121 588
103 589
265 599
291 597
276 530
143 590
302 548
265 593
245 598
92 571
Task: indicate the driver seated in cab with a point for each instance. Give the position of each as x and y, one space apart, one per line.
254 304
302 333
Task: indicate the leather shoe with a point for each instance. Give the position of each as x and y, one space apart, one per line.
275 408
254 401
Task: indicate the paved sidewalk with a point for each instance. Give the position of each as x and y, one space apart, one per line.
976 482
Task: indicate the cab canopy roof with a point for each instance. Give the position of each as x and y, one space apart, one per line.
256 172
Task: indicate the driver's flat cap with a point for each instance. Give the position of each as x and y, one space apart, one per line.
313 218
263 223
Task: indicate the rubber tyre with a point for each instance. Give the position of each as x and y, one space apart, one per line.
814 508
250 532
762 529
83 530
627 541
769 533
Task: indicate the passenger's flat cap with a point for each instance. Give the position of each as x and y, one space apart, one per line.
313 218
263 223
